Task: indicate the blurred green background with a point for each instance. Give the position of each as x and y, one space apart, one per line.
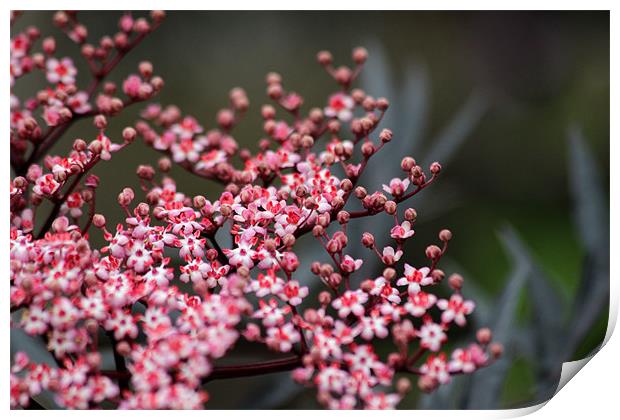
539 74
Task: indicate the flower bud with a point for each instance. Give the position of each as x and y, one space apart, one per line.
100 121
158 15
318 230
385 136
268 112
445 235
123 348
484 336
145 172
496 350
389 273
456 281
95 147
94 360
360 192
343 217
435 168
427 384
307 142
288 240
164 164
411 215
99 220
343 75
325 298
433 252
368 240
225 118
390 207
437 275
315 268
141 26
360 55
49 45
129 134
368 149
146 69
324 58
382 104
79 145
403 386
367 285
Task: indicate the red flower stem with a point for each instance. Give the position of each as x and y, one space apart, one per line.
91 212
234 371
58 203
364 213
119 362
54 134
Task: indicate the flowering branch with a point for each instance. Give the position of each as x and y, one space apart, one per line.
304 179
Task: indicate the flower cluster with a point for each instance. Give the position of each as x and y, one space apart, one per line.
183 278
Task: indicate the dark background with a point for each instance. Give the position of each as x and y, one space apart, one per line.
525 78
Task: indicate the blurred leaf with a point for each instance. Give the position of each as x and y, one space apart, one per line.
377 77
274 392
446 397
486 384
36 349
412 103
548 326
592 221
591 216
448 141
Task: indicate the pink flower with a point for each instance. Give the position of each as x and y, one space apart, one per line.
292 293
383 289
132 85
455 309
431 335
374 325
282 338
79 103
397 187
436 368
389 256
242 255
185 273
62 71
414 278
46 185
51 115
419 303
187 128
350 265
351 301
402 231
339 106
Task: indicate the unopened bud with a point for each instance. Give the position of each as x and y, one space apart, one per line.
403 386
324 58
433 252
360 55
100 122
99 220
129 134
386 135
456 281
325 298
390 207
496 349
484 336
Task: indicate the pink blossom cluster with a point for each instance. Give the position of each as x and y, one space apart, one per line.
170 295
